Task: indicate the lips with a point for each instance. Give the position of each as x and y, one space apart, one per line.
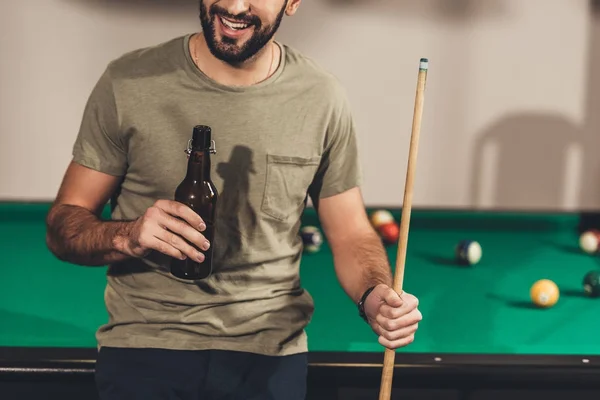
232 28
234 24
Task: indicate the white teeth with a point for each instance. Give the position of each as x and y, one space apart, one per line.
233 25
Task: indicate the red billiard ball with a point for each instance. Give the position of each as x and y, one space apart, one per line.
389 232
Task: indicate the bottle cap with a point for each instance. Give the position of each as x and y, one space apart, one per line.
201 137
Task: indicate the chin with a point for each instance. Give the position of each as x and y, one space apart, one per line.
234 54
229 56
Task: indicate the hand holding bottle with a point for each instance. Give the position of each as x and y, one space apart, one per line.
169 227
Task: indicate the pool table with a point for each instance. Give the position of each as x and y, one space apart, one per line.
480 329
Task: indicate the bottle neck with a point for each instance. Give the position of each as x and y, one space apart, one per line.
199 165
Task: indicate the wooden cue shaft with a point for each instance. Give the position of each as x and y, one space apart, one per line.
388 361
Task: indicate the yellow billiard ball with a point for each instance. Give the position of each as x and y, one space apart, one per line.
544 293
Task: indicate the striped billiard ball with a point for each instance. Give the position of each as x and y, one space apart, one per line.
591 284
312 238
468 252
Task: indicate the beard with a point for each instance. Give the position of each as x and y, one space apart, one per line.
228 49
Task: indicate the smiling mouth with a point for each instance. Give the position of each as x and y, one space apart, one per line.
236 26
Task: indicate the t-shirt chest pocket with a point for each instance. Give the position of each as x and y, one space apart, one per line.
286 184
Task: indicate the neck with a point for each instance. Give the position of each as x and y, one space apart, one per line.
199 166
257 69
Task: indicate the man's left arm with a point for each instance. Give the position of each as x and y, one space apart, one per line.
361 262
360 259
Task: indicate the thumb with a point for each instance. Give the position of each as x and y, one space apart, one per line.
392 298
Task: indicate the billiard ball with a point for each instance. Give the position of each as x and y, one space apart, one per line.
468 252
312 238
591 284
389 232
381 217
589 241
544 293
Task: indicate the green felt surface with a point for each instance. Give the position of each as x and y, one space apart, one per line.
481 309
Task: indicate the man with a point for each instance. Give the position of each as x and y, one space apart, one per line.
283 132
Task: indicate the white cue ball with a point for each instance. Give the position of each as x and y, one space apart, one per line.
588 242
475 253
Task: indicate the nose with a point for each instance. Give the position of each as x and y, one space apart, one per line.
236 7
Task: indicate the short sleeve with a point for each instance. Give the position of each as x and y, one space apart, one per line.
99 144
340 168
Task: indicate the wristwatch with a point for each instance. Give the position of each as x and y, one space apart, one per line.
361 304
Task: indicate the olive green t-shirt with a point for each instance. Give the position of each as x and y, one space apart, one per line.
278 143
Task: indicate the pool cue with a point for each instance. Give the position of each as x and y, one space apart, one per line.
388 360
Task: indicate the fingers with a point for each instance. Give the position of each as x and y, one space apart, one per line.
393 329
182 220
397 325
391 298
182 211
148 240
175 244
396 338
184 230
173 229
408 303
397 335
396 344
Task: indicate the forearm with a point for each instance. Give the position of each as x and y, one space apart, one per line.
78 236
361 262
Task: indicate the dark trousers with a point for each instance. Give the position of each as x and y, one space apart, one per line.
157 374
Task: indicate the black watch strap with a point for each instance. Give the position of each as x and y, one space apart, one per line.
361 304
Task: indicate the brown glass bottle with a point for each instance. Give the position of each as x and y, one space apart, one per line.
199 193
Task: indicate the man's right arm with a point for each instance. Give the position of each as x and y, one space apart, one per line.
76 233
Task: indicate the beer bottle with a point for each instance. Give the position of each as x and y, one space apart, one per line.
199 193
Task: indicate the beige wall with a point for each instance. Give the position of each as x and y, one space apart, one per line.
507 77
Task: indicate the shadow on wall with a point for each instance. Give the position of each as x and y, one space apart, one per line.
448 10
590 189
533 160
526 161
